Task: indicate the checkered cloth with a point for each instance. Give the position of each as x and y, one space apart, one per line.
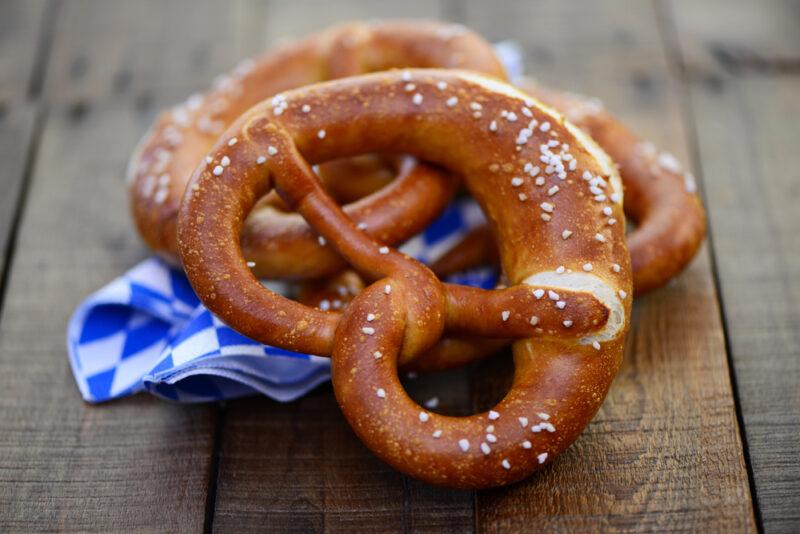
147 330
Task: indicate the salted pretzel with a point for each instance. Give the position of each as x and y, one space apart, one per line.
567 305
162 164
660 197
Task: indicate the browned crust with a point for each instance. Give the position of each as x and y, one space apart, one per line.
660 197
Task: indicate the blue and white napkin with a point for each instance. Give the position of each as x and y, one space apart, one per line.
147 330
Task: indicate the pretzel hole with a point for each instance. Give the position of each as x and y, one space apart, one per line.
448 392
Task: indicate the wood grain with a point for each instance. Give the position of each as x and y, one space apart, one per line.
134 465
20 36
138 464
299 467
146 49
747 145
750 161
272 22
21 25
746 36
17 128
664 452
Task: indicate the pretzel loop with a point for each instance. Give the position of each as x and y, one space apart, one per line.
298 186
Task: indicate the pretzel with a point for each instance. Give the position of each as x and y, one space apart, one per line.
661 198
567 305
162 164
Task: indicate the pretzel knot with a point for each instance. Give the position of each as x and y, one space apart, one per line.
567 306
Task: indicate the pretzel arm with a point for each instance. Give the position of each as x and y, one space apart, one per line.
282 245
524 311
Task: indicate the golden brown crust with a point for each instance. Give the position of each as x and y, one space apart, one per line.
162 164
660 197
567 304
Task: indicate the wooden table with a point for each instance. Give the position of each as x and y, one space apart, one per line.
701 430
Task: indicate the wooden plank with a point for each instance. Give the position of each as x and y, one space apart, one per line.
178 47
20 34
664 452
746 35
747 145
145 49
750 161
272 22
299 466
16 138
137 464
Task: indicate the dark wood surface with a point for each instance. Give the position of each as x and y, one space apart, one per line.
701 430
743 90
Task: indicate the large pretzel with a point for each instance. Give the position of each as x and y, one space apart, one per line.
162 164
569 323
